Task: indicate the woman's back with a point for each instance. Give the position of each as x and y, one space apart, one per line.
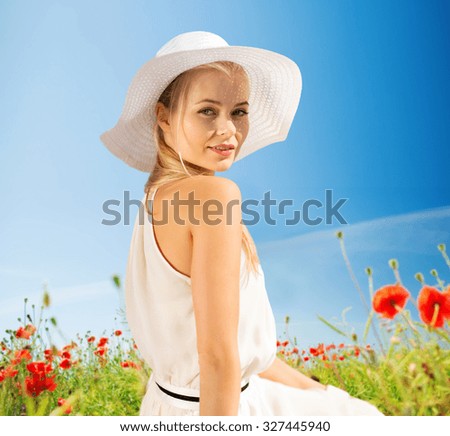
173 238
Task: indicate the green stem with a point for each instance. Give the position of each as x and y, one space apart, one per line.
355 282
444 254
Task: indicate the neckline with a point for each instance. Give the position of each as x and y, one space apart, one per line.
158 249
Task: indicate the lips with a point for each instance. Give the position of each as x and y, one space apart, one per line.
224 146
226 152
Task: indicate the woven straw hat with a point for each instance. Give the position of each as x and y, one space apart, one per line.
275 88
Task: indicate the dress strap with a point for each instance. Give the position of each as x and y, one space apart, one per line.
152 198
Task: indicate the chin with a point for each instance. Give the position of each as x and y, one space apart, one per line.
222 168
223 165
219 166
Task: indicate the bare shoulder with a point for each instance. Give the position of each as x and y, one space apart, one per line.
214 187
217 201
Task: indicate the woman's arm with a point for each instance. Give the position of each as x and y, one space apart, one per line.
281 372
215 273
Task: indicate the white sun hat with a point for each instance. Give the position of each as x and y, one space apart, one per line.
275 88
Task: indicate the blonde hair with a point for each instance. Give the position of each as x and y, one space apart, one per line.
167 167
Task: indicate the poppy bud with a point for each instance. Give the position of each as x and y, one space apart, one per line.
393 263
46 299
419 277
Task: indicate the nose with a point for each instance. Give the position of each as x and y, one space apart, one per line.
225 126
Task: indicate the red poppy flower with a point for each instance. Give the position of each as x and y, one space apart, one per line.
65 364
9 371
48 354
22 333
434 306
295 350
278 343
67 408
331 347
65 355
389 300
306 358
102 341
118 332
317 351
285 343
20 355
128 364
30 328
100 351
341 357
39 367
26 332
70 346
37 383
91 339
341 345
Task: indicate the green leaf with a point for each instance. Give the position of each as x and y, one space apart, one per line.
442 334
366 329
29 403
332 326
42 406
344 312
116 280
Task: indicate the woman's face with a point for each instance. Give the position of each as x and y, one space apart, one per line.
216 112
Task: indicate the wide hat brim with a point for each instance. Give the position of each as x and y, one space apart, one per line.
275 89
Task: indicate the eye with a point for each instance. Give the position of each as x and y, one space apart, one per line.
243 112
239 112
202 111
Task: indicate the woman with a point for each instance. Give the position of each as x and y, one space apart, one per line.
196 301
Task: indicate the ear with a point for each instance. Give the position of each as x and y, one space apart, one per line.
162 117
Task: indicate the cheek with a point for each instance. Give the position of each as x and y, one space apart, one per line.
197 128
243 129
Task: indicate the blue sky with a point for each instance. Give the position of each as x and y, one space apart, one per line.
372 126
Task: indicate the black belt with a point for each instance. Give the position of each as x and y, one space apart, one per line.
188 398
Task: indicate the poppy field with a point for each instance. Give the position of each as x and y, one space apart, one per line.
406 371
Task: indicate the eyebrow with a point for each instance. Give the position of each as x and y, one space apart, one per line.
207 100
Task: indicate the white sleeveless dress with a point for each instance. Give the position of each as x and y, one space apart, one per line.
160 315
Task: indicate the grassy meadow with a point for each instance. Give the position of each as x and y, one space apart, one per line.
406 372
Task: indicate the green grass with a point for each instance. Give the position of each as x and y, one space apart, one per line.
408 381
406 373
